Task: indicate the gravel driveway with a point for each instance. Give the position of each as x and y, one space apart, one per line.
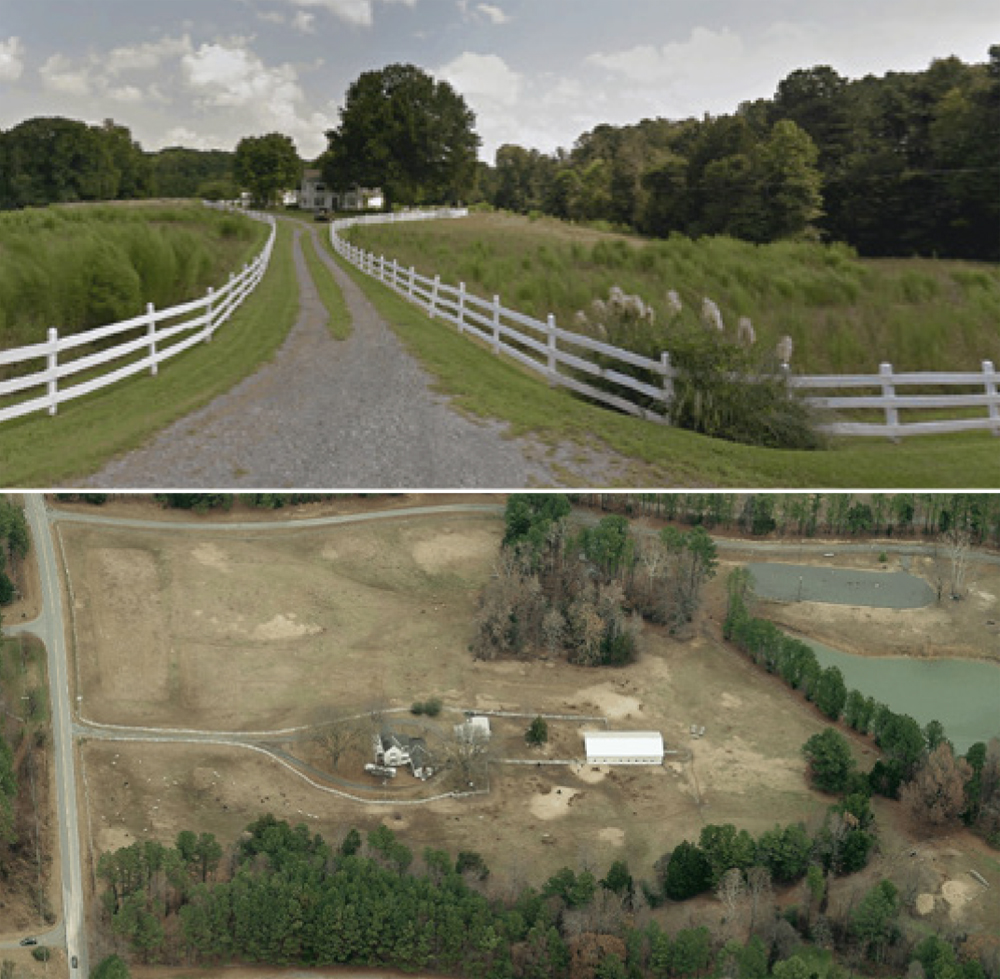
357 414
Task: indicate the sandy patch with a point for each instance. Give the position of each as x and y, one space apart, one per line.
211 556
613 835
957 893
554 804
591 774
731 702
925 903
448 550
604 699
284 627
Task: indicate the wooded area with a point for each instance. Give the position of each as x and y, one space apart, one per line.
902 164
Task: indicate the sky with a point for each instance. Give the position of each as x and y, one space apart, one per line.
538 73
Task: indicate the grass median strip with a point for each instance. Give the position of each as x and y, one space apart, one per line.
494 387
340 323
39 451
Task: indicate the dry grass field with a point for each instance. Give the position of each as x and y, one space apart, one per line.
252 631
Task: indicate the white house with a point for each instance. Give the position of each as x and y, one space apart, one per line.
316 195
624 747
396 750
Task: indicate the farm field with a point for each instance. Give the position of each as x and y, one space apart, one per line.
252 631
844 314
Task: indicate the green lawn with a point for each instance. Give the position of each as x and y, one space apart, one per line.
42 452
661 457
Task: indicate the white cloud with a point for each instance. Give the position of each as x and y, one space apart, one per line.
182 136
494 14
11 59
358 12
229 75
59 75
146 57
126 93
304 22
484 77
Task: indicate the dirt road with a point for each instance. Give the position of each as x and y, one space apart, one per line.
358 413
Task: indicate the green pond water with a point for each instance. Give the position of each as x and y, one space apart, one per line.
964 695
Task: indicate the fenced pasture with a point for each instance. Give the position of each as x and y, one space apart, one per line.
104 355
643 385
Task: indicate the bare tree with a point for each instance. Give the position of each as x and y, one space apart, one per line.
758 890
732 892
958 551
342 736
466 754
936 795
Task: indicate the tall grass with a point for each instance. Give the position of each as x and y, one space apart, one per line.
844 314
77 268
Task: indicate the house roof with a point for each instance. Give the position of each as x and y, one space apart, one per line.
631 744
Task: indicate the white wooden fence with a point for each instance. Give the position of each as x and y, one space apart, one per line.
543 349
148 334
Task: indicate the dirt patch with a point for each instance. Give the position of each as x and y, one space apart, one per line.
958 893
614 835
453 552
612 703
283 627
925 904
552 804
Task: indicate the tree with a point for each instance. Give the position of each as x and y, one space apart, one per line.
685 873
538 732
936 795
404 132
266 165
830 692
830 761
111 967
725 847
873 920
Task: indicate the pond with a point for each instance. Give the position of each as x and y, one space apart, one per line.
964 695
840 586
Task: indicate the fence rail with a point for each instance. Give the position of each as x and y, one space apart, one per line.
155 335
540 351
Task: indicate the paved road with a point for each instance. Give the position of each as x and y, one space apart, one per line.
358 413
49 627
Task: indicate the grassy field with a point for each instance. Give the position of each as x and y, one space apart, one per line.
844 314
37 450
646 454
76 268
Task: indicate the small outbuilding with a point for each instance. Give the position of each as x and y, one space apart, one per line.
624 747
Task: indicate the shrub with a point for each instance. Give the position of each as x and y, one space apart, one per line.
538 731
430 707
41 953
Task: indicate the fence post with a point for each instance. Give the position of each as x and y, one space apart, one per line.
52 363
381 268
434 296
889 391
991 392
409 288
668 384
395 274
550 325
154 367
461 307
210 326
496 324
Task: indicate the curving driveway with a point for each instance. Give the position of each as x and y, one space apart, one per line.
357 413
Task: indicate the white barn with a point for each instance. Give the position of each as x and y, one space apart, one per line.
624 747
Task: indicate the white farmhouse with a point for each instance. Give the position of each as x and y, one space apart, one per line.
624 747
397 750
316 195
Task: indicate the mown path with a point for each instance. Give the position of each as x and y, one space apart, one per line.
358 413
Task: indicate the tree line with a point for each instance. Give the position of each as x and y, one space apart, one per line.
583 592
897 515
906 163
283 896
54 160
